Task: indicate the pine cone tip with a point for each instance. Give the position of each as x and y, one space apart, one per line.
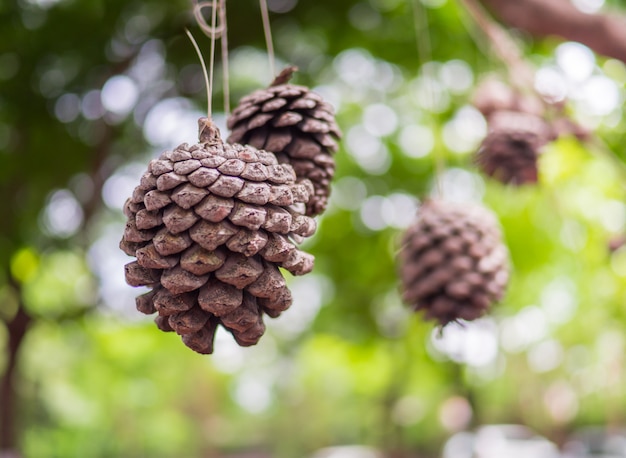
284 76
208 131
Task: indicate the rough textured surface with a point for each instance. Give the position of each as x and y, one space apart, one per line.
510 150
295 124
453 264
210 224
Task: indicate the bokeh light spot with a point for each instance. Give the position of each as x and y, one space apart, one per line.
380 120
67 107
588 6
457 75
455 413
474 343
119 94
416 141
281 6
545 356
92 105
63 215
576 60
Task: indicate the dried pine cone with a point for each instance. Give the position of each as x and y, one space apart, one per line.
295 124
453 262
210 224
510 150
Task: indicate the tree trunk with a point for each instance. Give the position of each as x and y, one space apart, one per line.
17 328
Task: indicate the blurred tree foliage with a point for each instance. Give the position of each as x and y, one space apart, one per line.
87 92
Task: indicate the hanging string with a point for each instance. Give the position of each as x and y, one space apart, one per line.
209 31
268 36
520 72
225 69
424 54
213 32
204 71
212 55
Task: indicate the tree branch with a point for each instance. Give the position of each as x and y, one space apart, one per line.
521 73
604 33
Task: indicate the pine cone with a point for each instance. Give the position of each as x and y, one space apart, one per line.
509 152
210 224
297 125
453 264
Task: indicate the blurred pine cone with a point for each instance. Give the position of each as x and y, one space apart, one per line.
453 264
511 148
210 224
297 125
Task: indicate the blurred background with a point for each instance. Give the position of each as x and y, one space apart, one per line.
91 90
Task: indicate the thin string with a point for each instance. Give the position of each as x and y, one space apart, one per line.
424 54
204 71
225 69
520 72
212 55
208 30
268 35
212 31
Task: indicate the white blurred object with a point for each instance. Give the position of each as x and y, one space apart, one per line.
348 451
474 343
500 441
512 441
596 442
460 445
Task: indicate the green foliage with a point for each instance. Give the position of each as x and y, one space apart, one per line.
348 363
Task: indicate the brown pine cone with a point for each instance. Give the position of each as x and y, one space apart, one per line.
453 264
210 225
510 150
297 125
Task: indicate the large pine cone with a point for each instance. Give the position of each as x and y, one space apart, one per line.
210 224
510 150
453 262
295 124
